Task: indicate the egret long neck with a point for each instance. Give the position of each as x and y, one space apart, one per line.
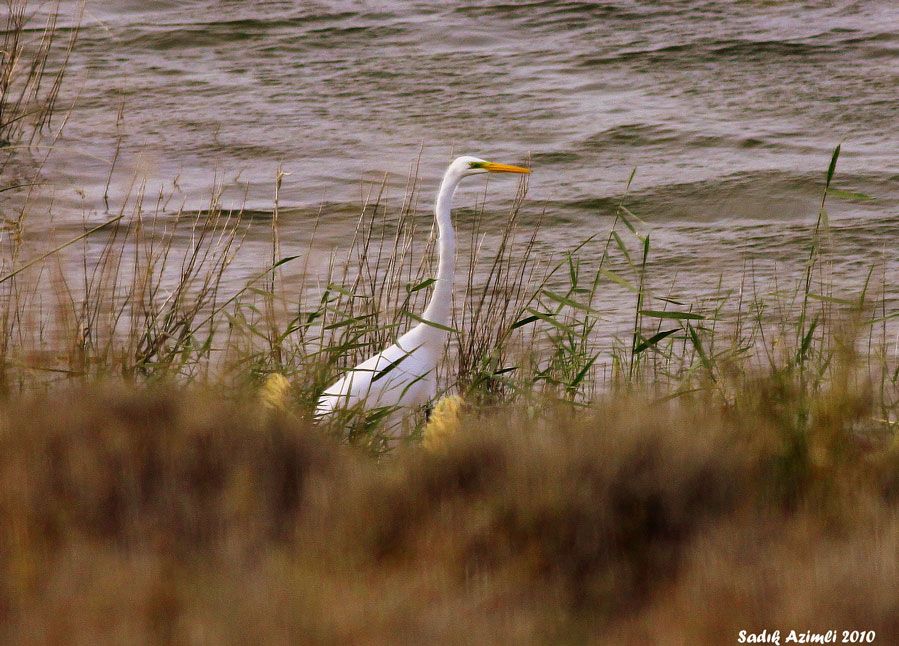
439 309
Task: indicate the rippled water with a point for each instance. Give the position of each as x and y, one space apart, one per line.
728 110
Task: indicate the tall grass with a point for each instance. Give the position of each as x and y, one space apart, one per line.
33 62
150 295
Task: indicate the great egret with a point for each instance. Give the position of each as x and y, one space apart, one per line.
404 374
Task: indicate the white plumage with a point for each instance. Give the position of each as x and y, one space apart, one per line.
404 374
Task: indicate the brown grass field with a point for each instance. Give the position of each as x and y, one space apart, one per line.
157 516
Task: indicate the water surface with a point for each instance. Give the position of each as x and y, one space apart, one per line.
729 111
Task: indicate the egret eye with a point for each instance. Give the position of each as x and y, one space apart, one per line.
476 164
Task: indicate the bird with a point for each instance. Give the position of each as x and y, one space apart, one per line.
404 375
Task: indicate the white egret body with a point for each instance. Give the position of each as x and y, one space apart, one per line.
405 374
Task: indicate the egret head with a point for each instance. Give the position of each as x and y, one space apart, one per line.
467 165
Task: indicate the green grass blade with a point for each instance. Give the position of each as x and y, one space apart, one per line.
653 340
522 322
849 195
583 372
68 243
677 316
807 341
349 321
703 357
425 283
611 275
851 302
433 324
549 318
833 165
564 300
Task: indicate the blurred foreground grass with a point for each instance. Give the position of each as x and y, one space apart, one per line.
164 516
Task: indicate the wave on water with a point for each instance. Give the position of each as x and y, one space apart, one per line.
729 112
768 196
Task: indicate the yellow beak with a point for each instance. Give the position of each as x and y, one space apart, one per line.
493 167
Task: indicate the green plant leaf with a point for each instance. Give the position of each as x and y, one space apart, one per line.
849 195
615 278
583 372
349 321
653 340
833 165
433 324
833 299
807 341
678 316
703 357
522 322
342 290
425 283
549 318
564 300
380 374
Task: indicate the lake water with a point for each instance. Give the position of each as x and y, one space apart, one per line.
729 111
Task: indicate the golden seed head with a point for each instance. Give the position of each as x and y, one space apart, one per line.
443 423
274 391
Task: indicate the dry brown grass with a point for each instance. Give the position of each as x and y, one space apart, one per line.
167 517
33 63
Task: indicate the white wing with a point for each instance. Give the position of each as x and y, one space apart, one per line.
401 375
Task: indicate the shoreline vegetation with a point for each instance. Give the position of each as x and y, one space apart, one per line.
725 465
